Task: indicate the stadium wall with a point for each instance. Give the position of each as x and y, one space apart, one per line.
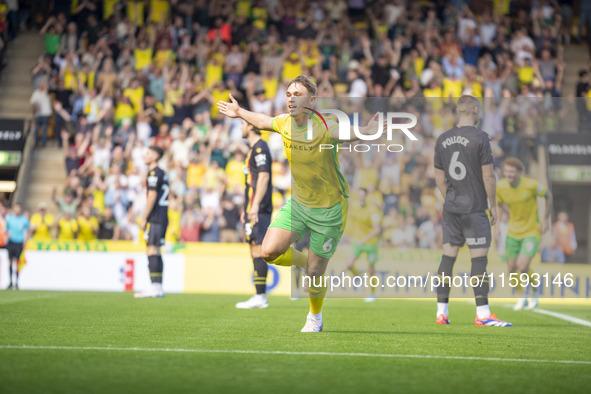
212 268
122 266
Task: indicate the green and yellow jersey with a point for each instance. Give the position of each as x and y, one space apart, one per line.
318 182
523 206
362 220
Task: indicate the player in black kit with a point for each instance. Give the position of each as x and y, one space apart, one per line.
155 220
257 209
465 176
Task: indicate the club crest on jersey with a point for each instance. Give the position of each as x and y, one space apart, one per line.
152 180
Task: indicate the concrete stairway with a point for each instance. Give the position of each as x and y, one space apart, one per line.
16 84
47 169
576 58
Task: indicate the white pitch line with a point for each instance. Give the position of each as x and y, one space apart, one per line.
562 316
280 352
557 315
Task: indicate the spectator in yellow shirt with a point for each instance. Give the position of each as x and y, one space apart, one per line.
143 56
292 67
41 224
260 15
124 110
67 228
164 55
214 72
452 87
159 10
526 73
219 93
195 173
173 92
243 8
135 12
173 231
87 225
235 172
135 92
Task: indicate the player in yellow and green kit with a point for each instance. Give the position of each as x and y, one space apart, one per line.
365 221
519 194
319 200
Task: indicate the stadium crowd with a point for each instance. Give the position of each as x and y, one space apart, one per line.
118 76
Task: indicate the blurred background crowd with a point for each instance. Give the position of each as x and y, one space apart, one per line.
117 76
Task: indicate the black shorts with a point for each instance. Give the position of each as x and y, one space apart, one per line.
471 228
155 234
14 250
255 234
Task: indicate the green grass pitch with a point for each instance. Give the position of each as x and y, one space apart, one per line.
81 325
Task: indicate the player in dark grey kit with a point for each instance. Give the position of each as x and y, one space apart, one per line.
155 220
258 208
465 176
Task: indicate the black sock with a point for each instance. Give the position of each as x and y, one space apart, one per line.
260 275
444 273
10 271
482 287
155 265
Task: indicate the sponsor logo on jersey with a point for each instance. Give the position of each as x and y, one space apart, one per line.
260 159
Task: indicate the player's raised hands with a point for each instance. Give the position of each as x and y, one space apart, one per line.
229 109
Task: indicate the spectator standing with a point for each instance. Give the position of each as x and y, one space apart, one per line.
87 225
564 231
211 226
108 228
229 221
67 204
41 103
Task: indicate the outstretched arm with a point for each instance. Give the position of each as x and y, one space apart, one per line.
547 212
233 110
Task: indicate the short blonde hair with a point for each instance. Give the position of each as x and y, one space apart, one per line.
466 105
306 82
